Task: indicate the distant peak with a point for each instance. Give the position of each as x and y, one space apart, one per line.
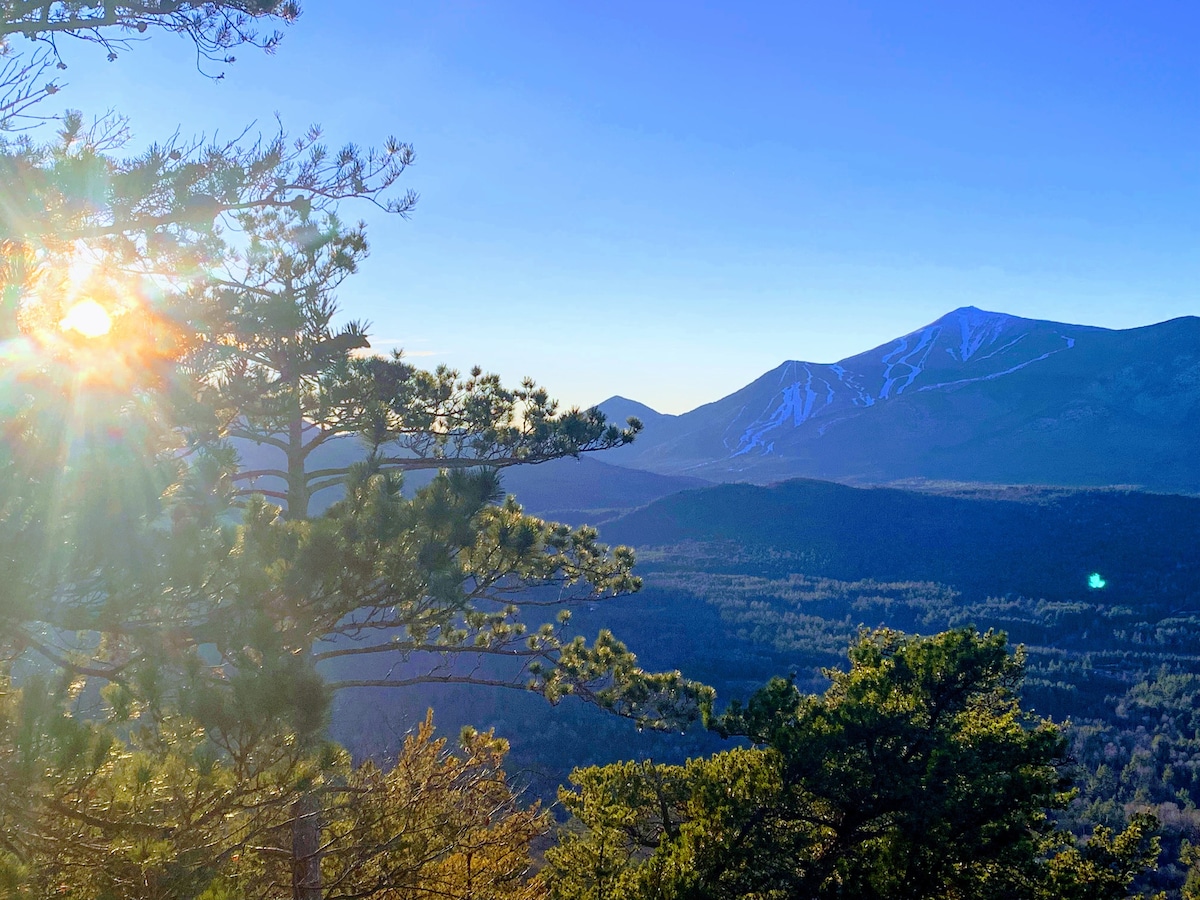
974 312
618 407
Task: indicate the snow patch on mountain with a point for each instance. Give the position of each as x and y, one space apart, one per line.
969 336
862 397
797 403
913 360
1003 347
1070 342
978 329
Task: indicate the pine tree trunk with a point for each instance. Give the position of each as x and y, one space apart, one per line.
306 811
306 848
297 479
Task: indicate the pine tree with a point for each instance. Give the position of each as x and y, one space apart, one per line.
915 775
163 619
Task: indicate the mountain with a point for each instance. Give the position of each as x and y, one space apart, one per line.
1019 541
974 397
619 408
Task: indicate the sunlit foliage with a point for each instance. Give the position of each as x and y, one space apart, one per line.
162 314
915 775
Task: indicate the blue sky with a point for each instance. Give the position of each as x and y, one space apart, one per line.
664 200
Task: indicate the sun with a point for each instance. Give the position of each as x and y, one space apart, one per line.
88 318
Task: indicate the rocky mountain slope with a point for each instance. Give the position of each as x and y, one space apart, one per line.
974 396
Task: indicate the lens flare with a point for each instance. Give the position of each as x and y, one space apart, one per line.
88 318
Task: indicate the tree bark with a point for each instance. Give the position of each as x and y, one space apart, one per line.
306 848
297 480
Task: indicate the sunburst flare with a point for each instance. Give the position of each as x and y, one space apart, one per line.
88 318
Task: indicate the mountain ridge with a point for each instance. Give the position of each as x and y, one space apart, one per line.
962 398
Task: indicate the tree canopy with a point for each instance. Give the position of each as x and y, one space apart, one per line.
165 609
28 72
915 775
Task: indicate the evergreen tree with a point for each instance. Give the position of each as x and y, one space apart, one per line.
915 775
161 314
216 27
138 562
1191 859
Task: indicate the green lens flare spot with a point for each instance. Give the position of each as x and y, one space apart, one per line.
1095 582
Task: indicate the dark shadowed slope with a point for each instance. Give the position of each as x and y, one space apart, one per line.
1007 542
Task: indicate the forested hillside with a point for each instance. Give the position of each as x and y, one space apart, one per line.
744 582
796 569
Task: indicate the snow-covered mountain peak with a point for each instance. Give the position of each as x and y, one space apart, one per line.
976 329
964 346
973 395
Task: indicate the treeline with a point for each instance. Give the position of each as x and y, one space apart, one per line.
915 774
1122 685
